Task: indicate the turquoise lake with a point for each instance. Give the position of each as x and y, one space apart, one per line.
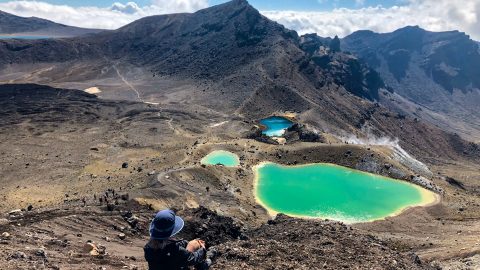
275 126
24 37
221 157
333 192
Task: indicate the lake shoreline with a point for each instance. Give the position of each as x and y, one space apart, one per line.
429 198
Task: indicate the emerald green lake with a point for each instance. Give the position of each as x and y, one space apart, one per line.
334 192
221 157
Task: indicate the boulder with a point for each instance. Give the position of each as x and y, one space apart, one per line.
15 212
110 207
91 249
18 255
41 253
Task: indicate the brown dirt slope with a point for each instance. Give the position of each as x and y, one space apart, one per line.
288 243
56 239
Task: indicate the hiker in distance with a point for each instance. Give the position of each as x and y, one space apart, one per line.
167 253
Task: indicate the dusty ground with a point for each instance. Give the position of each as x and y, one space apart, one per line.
54 155
56 239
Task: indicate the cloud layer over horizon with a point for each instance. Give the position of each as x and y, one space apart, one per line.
434 15
113 17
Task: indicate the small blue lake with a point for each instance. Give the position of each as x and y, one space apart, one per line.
275 126
23 37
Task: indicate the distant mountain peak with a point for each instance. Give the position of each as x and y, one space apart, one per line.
238 3
415 29
411 30
439 70
410 27
362 34
235 6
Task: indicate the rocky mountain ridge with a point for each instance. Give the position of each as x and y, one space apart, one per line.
256 65
209 44
435 74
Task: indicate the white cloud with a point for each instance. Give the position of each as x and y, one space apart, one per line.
434 15
180 5
359 2
129 8
111 17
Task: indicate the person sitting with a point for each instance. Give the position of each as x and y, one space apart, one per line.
163 252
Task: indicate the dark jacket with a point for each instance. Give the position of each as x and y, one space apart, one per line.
174 256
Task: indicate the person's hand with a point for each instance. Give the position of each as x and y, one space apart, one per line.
195 245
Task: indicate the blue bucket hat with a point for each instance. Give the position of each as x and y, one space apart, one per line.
165 224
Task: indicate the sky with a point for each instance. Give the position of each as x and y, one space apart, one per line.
324 17
301 5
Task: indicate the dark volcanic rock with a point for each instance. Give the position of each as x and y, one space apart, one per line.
299 132
207 225
295 133
288 243
455 182
53 106
256 134
207 44
342 68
